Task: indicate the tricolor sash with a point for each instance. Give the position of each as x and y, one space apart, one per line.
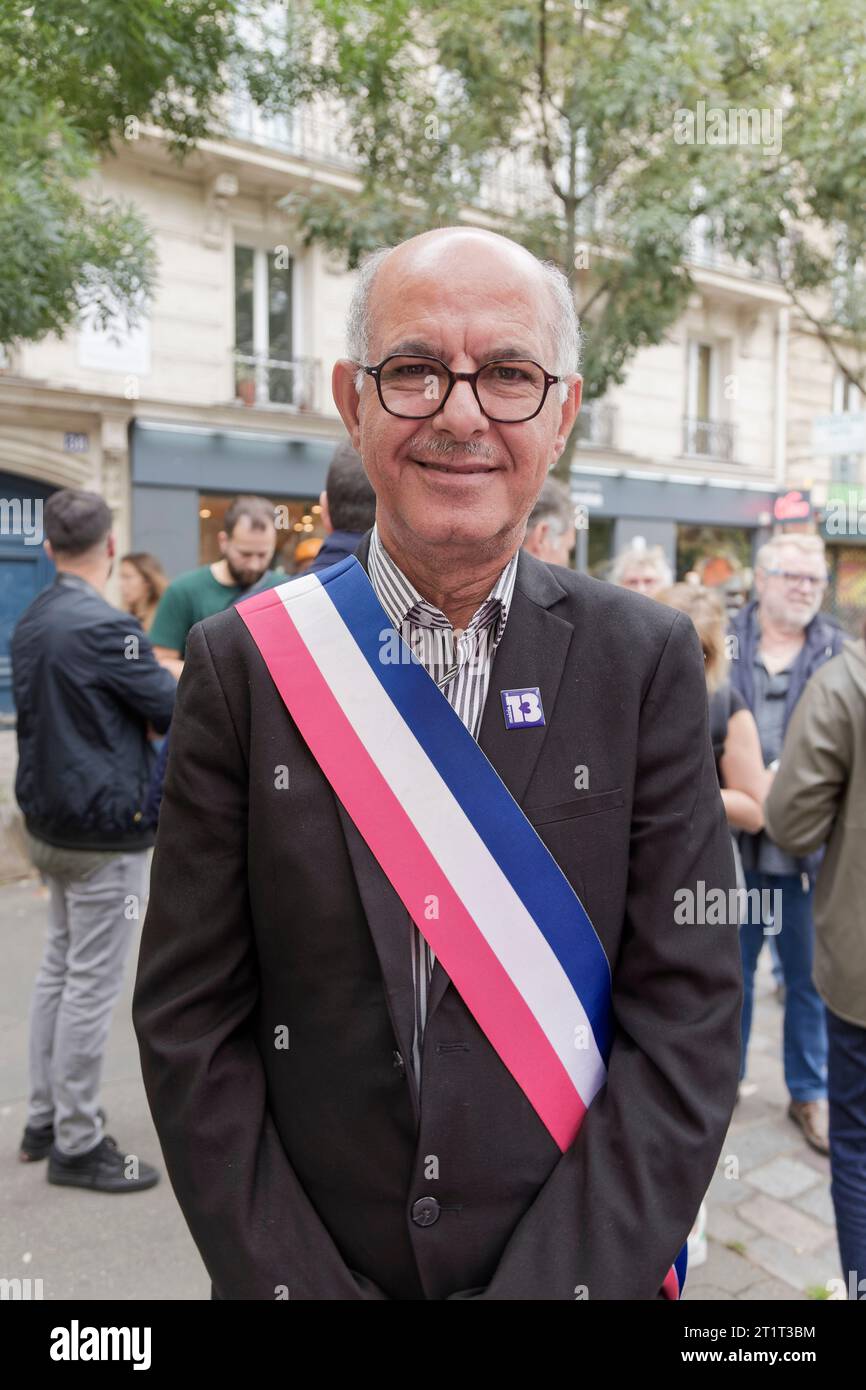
474 875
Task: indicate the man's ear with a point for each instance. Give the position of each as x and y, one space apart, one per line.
46 546
110 546
568 414
346 398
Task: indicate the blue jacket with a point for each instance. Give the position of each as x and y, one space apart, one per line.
823 641
86 683
337 546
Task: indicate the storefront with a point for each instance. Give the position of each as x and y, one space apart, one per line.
694 521
185 476
842 524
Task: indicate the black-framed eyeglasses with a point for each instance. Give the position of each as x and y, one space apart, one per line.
508 391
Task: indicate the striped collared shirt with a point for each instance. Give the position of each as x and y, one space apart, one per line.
460 663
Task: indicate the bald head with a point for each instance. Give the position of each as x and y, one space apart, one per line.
393 271
432 252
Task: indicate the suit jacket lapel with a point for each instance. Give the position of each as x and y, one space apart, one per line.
390 927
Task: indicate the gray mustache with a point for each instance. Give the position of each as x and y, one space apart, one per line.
446 448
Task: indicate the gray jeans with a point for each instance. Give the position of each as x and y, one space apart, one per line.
93 919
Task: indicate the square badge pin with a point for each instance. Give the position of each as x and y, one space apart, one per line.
522 708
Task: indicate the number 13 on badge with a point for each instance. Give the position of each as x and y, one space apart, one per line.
523 709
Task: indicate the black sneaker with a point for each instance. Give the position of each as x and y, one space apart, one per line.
36 1142
102 1169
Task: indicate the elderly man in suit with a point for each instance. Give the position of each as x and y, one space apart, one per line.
343 1113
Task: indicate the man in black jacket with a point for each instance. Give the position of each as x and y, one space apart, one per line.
86 683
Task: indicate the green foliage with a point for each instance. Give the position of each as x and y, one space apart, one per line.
98 62
436 92
59 251
75 77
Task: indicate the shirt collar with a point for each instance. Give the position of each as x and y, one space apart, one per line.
398 595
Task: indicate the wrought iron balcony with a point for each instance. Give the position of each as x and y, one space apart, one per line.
302 132
709 439
263 380
596 424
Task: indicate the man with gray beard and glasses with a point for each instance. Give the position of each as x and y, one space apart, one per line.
781 639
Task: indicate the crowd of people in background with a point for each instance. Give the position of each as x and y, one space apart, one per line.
776 660
786 697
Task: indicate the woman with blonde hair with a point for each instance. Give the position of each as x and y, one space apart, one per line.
143 581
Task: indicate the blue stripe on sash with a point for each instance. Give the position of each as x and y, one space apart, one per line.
512 841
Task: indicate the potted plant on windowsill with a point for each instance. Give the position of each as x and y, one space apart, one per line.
245 383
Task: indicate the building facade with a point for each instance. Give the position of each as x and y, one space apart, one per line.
225 387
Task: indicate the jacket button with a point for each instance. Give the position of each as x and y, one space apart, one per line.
425 1211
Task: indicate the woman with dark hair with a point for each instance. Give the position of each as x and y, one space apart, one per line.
143 581
742 777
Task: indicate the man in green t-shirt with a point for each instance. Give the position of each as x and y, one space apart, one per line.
247 545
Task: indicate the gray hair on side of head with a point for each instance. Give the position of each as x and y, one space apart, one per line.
806 543
644 557
553 505
359 318
567 333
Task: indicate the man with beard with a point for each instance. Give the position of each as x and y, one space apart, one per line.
781 639
247 544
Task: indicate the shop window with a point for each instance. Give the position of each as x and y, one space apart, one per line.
599 546
716 553
845 596
298 520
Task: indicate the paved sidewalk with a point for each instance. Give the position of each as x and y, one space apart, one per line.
83 1245
770 1224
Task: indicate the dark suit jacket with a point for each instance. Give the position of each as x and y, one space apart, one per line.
297 1168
